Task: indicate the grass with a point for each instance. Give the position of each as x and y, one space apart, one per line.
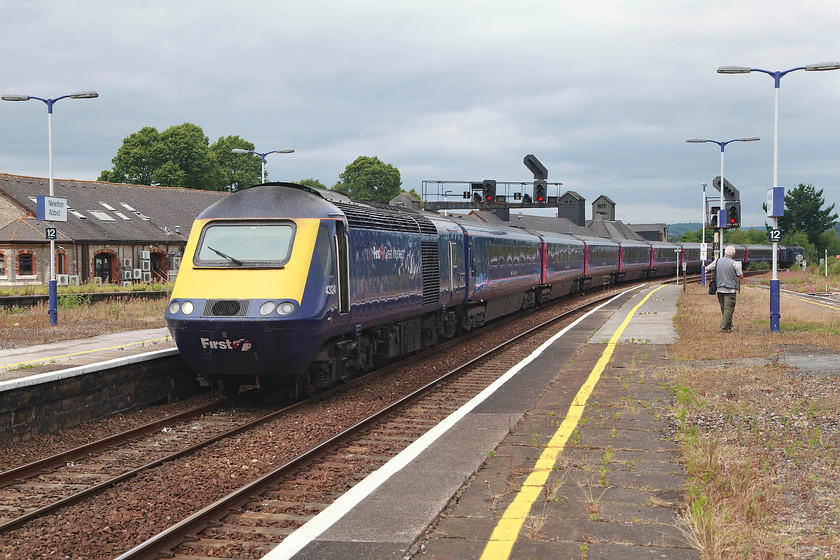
759 439
78 319
809 281
86 288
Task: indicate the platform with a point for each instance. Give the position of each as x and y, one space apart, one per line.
82 355
582 466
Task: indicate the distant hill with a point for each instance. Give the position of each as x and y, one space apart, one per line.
676 230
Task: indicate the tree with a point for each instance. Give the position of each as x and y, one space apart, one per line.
694 236
184 155
804 212
314 183
236 171
368 178
136 160
181 156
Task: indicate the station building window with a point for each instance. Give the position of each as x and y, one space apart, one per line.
26 264
2 264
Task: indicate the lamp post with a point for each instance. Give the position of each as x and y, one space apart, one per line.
722 182
53 288
703 237
777 77
262 157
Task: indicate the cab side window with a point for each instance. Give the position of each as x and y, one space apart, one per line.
323 247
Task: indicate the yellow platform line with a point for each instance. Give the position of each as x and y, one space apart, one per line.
813 302
507 530
51 358
799 298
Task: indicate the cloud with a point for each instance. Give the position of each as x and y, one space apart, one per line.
603 92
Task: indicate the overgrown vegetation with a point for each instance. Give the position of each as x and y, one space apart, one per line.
76 320
86 288
759 437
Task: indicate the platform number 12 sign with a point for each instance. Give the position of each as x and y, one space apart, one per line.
775 236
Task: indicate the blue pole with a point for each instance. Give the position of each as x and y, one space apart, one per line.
53 310
774 305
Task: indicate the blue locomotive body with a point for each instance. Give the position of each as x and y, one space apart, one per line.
284 286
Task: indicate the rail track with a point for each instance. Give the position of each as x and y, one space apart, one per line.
251 521
341 443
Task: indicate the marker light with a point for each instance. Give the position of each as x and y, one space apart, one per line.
187 307
174 307
286 308
267 307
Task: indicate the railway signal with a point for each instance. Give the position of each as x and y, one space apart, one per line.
489 190
733 214
540 187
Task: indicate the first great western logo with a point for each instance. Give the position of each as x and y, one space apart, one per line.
240 345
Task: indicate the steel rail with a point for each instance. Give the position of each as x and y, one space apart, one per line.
62 458
178 533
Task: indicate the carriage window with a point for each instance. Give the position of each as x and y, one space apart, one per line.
252 244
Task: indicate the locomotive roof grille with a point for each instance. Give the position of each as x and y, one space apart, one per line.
386 218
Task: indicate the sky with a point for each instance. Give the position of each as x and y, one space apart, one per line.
604 93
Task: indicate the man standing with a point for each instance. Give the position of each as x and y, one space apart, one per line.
728 274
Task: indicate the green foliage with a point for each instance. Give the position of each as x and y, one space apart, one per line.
70 301
743 236
181 156
694 236
314 183
136 160
368 178
804 212
235 171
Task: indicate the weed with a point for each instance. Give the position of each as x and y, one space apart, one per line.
584 551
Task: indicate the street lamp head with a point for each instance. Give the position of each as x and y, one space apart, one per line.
749 139
84 95
822 66
284 151
696 141
240 151
734 70
15 97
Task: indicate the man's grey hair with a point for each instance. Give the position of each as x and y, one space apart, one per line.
729 251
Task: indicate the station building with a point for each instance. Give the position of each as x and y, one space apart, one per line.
116 233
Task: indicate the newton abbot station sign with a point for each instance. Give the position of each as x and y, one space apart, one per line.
52 209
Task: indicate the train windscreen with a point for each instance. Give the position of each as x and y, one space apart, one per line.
245 244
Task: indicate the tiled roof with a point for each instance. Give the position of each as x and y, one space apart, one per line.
106 211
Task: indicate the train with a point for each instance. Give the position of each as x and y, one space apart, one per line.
294 289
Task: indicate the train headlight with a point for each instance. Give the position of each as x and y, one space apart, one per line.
267 307
174 307
286 308
187 307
